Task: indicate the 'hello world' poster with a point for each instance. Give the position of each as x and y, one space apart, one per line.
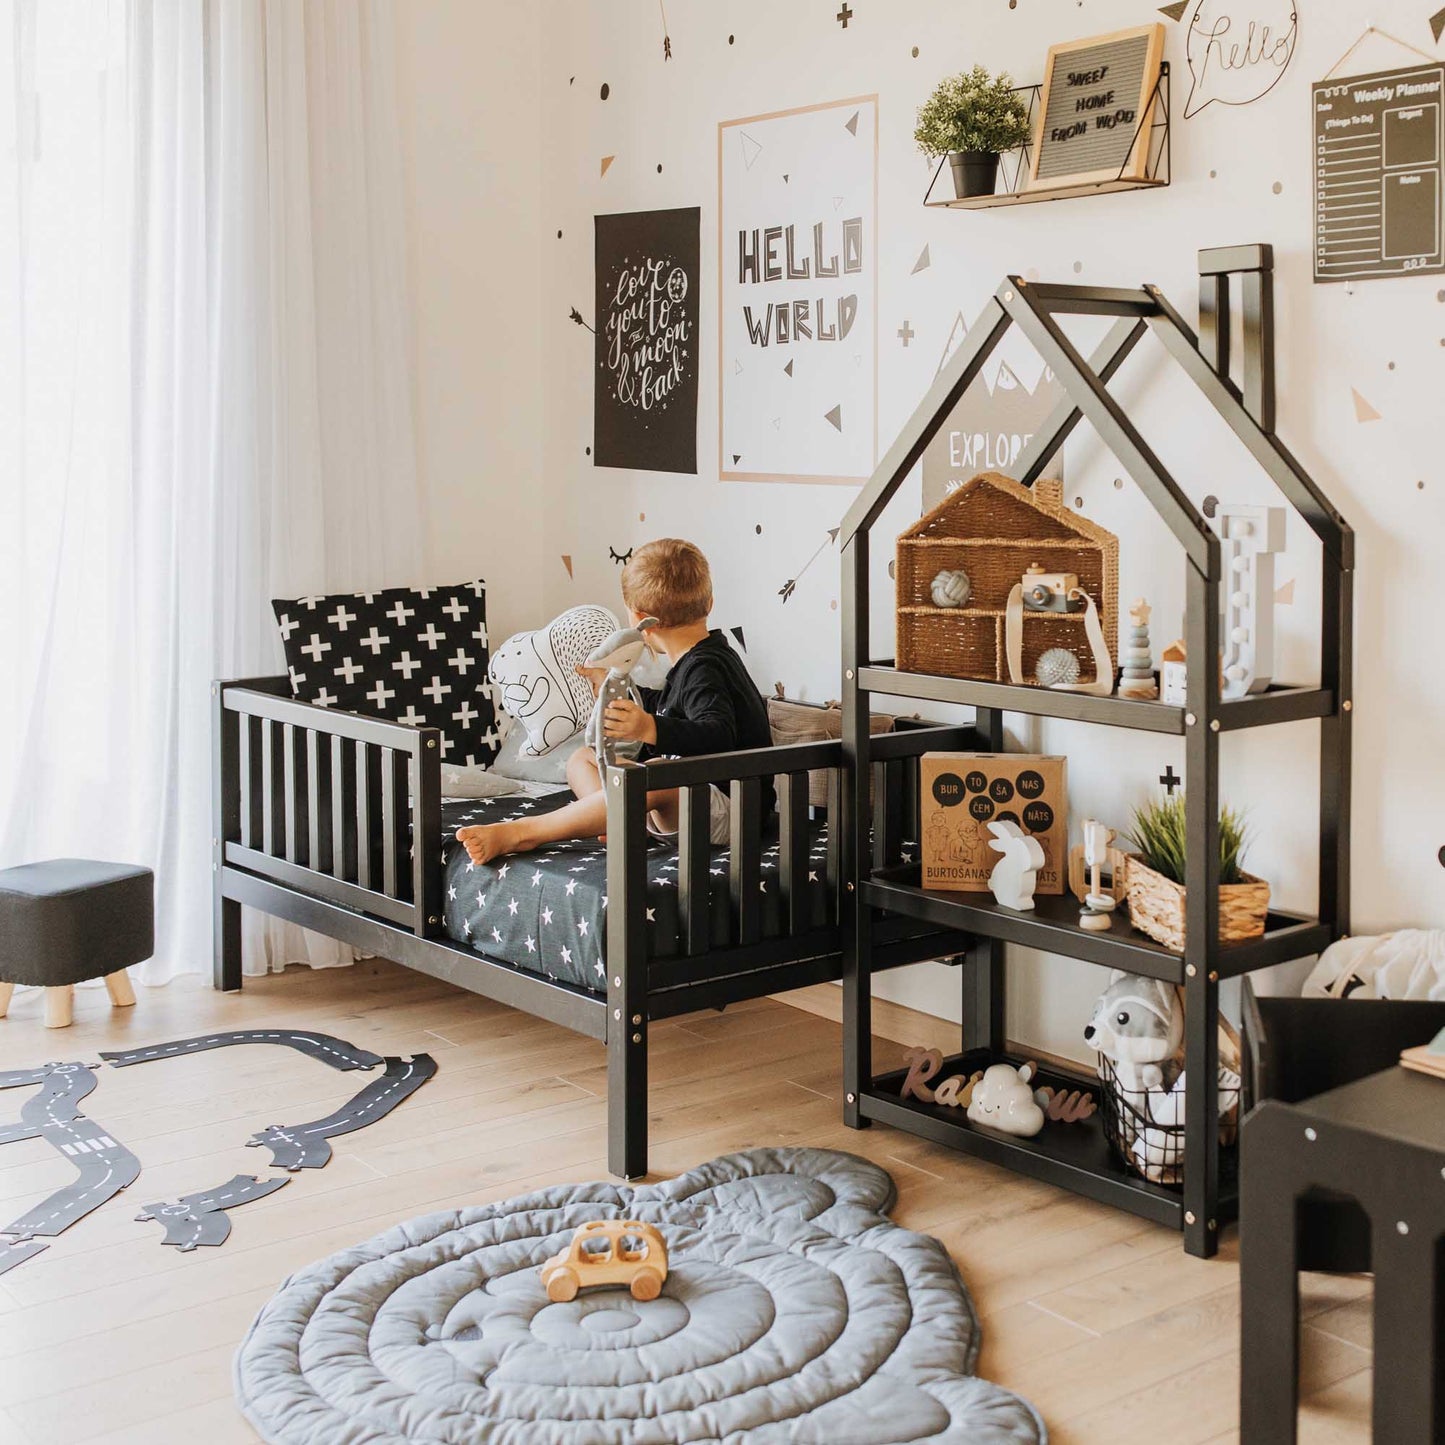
797 294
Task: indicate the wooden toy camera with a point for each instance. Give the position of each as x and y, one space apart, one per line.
1051 591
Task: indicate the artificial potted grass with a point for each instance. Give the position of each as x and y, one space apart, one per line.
972 118
1154 877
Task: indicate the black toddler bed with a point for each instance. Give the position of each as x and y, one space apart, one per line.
316 810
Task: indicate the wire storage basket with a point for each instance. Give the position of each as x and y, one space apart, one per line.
1145 1127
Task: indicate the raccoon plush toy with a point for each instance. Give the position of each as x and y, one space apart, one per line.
1138 1024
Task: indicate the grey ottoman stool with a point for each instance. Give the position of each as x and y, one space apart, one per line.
71 919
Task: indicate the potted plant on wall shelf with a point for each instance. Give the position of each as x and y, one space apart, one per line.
972 118
1154 877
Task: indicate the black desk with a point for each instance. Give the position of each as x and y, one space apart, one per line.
1382 1142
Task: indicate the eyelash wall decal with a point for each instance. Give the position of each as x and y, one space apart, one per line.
621 558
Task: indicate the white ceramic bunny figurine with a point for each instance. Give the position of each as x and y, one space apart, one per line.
619 654
1015 874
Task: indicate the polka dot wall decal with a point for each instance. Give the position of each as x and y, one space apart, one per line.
1440 295
589 451
1391 366
559 235
606 90
1419 486
1118 484
659 168
759 529
1078 504
1213 175
642 516
834 604
915 52
1277 187
1078 266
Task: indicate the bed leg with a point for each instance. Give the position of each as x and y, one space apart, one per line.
226 963
627 1099
627 970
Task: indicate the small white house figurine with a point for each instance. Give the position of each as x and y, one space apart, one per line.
1002 1100
1137 679
1173 675
1017 871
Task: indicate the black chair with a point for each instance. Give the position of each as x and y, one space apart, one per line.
72 919
1295 1048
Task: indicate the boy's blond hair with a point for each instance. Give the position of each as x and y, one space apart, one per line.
668 579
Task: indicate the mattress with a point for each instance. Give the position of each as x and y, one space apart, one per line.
545 912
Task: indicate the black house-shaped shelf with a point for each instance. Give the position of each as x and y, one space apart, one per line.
881 880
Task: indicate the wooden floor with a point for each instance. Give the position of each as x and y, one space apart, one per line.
1101 1320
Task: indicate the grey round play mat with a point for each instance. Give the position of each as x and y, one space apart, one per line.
794 1309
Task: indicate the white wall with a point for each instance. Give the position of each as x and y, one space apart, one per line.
468 87
1241 175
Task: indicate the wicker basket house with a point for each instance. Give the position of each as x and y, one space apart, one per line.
993 528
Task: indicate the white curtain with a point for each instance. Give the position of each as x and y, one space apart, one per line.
205 401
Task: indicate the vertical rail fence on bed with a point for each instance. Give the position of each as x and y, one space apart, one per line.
342 807
710 972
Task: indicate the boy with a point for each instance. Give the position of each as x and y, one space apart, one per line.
707 704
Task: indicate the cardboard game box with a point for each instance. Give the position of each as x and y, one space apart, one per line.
963 792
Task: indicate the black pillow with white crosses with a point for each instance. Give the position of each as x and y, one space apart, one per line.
413 655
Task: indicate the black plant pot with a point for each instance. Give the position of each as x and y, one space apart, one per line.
975 173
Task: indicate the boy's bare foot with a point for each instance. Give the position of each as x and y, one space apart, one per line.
486 841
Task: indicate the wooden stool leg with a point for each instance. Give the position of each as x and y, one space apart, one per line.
117 985
59 1006
6 989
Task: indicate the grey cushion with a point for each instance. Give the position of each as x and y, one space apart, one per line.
794 1310
71 919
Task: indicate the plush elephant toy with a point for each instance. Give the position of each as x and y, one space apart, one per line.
618 654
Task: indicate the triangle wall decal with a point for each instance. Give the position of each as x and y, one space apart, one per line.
1363 410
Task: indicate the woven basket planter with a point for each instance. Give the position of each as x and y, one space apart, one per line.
1156 905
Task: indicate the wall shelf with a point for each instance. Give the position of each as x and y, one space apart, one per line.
1053 927
1073 1156
1014 167
885 884
1276 705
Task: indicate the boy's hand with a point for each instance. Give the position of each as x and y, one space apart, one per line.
628 723
594 675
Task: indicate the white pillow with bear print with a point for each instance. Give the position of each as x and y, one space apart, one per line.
535 676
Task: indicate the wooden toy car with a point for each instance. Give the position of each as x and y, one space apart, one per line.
608 1251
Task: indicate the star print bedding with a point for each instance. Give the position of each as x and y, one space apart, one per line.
546 912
